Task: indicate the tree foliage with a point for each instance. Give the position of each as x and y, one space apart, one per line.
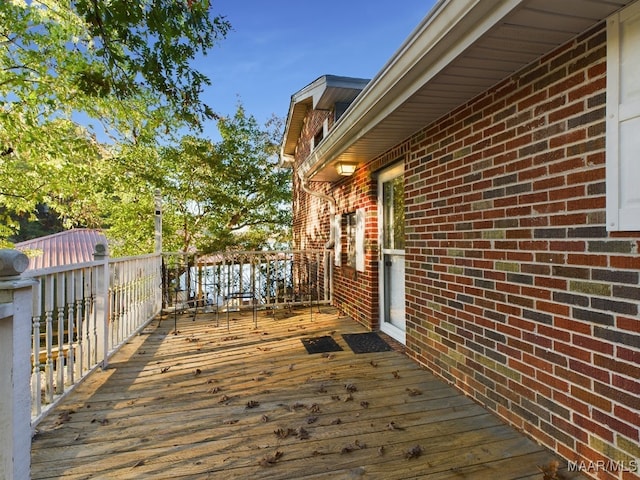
73 72
91 95
215 194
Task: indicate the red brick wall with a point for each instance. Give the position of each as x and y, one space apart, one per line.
516 293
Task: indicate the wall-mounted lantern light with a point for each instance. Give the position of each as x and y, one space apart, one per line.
346 169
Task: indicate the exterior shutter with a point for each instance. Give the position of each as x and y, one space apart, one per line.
360 264
337 247
623 120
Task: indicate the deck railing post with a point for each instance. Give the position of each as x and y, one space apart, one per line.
102 303
15 349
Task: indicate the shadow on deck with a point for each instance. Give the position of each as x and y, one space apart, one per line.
207 402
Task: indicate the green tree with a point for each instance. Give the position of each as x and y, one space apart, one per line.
216 195
72 72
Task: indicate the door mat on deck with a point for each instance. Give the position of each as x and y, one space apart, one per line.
369 342
323 344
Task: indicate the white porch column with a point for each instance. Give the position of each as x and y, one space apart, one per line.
102 304
15 366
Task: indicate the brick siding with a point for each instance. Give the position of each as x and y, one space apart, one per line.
515 292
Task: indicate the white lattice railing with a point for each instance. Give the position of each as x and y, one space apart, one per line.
82 314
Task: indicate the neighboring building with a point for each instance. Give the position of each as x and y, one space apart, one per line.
60 249
492 223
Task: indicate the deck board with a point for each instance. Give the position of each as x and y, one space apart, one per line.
205 401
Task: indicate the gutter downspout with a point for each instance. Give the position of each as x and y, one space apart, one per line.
332 218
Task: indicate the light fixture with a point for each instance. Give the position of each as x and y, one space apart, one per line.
346 169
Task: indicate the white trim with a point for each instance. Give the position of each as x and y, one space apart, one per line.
360 240
337 246
451 27
386 327
623 204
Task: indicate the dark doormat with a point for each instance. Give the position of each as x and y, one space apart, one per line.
321 344
369 342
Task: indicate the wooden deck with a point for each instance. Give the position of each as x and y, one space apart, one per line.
250 403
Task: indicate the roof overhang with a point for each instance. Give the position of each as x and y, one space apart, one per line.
459 50
321 94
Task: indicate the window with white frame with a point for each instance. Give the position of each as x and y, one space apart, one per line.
623 119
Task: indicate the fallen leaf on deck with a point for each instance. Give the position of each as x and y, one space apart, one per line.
270 460
311 420
348 398
381 450
314 408
230 421
215 390
364 404
284 432
413 452
373 364
264 419
253 404
337 421
197 372
302 434
396 374
350 387
139 463
413 392
164 369
393 426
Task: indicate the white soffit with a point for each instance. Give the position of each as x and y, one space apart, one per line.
458 51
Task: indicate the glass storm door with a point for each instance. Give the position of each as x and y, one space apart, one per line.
391 248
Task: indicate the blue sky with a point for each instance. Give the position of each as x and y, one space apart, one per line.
277 47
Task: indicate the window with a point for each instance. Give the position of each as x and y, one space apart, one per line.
350 234
623 119
354 233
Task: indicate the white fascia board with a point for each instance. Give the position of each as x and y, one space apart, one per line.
449 29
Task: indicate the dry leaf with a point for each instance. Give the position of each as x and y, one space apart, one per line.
337 421
302 434
253 404
413 452
264 419
381 450
164 369
284 433
311 420
413 392
350 387
230 421
224 398
270 460
396 374
348 398
314 408
215 390
197 372
393 426
373 364
364 404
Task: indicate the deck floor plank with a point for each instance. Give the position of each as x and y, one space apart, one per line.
206 402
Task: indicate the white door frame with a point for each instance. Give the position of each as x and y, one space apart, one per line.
386 326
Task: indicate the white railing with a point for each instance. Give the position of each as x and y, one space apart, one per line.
234 280
82 314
